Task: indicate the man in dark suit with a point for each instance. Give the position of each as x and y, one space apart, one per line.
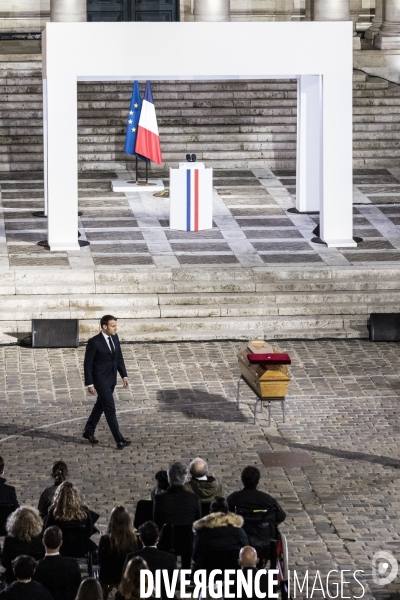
7 492
58 574
156 559
24 588
103 359
176 506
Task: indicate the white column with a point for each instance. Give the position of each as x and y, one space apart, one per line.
212 10
376 22
336 217
355 11
309 143
45 153
72 11
388 36
331 10
284 10
62 161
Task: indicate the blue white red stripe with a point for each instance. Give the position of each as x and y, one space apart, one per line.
148 139
192 200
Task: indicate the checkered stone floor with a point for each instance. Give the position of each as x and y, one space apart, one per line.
342 410
252 226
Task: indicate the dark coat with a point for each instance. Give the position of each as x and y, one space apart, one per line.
14 547
176 506
25 591
50 520
111 562
155 559
253 499
100 367
217 533
7 493
46 499
60 575
206 490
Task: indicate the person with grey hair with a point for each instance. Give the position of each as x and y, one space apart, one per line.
176 506
204 485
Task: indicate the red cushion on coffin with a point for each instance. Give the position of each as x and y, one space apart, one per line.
274 358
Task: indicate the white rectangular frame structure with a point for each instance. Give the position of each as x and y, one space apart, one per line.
75 52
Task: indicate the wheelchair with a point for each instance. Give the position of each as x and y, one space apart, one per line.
270 543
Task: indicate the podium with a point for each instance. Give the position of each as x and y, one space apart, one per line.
190 196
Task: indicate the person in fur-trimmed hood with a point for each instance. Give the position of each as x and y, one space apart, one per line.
219 533
202 483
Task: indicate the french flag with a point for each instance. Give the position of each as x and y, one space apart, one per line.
148 139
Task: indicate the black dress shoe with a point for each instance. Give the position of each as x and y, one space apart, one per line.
123 443
91 438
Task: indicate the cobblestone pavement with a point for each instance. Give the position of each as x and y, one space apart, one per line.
252 226
342 409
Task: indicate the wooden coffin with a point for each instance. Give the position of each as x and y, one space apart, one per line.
267 381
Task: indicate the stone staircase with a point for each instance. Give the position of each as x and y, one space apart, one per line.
202 304
240 124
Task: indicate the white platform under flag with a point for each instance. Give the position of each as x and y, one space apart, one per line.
190 196
119 185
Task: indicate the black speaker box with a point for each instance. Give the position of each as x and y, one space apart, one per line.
55 333
384 327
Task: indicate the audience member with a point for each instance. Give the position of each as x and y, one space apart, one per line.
90 589
24 528
161 478
218 535
58 574
24 588
119 540
204 485
59 473
248 561
7 492
250 498
67 509
129 588
155 559
176 505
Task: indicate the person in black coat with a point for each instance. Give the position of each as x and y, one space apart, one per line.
103 359
59 473
250 498
24 528
155 559
176 505
7 492
119 540
218 537
61 576
24 588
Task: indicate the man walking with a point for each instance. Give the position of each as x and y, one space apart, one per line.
103 359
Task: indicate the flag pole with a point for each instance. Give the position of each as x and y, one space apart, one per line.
136 172
147 173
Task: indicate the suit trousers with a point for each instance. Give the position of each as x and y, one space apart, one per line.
104 404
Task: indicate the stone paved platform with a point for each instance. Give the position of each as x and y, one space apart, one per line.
252 227
342 409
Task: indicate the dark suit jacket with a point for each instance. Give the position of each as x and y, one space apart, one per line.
177 507
25 591
100 366
14 547
60 575
111 562
7 493
156 559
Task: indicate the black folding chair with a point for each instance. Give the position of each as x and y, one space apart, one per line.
205 508
178 540
76 544
222 559
143 513
261 530
5 511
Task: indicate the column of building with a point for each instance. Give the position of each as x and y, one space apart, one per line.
72 11
388 36
376 22
212 10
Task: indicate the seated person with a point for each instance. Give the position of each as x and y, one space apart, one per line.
7 492
201 483
24 588
59 473
248 561
24 528
67 509
218 537
58 574
176 505
129 588
161 478
155 559
119 541
250 498
90 589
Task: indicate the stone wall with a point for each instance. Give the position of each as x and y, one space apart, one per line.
24 15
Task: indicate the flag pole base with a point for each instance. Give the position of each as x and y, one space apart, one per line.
144 183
